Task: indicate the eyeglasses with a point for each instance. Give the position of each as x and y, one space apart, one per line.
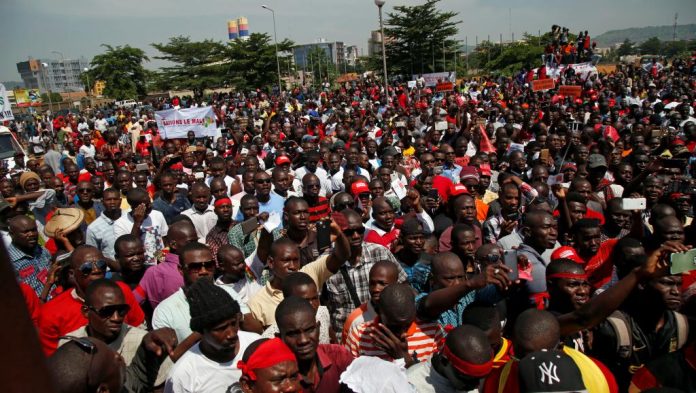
310 186
88 267
108 311
198 266
350 232
262 181
86 345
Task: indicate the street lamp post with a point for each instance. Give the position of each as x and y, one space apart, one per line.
87 76
380 4
275 38
50 100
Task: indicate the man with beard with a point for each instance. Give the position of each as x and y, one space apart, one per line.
505 221
320 365
100 233
210 365
217 237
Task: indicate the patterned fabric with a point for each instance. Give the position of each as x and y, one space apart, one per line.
217 237
418 276
246 243
320 211
339 301
453 316
100 234
30 269
423 338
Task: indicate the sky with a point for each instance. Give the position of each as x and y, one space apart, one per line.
78 27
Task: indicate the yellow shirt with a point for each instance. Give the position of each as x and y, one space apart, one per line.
264 303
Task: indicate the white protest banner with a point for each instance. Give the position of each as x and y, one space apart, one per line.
5 107
432 79
176 123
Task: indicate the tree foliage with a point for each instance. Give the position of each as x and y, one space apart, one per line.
195 65
627 48
252 62
321 66
121 67
55 97
416 37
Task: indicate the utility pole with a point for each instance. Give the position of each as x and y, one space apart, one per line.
674 30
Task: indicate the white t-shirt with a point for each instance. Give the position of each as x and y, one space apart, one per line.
153 229
173 312
194 372
101 124
88 151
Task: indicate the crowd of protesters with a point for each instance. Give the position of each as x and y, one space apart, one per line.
490 239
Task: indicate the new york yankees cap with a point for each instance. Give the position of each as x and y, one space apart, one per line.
550 372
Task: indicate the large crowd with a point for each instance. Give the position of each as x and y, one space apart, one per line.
351 239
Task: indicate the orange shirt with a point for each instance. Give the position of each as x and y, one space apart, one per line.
423 338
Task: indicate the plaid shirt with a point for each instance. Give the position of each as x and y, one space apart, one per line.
216 238
339 302
30 269
100 234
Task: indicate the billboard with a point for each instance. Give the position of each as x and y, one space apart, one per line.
27 97
431 80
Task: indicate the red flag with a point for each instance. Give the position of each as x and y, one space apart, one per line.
485 144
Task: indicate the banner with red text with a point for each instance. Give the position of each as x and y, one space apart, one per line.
176 123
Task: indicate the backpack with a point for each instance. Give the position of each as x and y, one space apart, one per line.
623 328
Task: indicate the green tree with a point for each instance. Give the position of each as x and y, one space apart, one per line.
626 48
321 66
55 97
652 46
121 68
196 65
252 62
416 37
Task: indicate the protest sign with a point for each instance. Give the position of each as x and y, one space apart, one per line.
432 79
176 123
444 86
543 84
411 84
5 107
570 91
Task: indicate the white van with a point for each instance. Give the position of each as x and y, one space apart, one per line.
8 147
126 104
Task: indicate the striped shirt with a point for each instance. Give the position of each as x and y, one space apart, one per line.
423 338
319 211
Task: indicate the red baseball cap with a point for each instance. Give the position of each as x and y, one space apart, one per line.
567 252
280 160
359 187
458 189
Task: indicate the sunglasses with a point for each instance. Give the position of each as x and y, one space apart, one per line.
198 266
262 181
88 267
84 190
350 232
108 311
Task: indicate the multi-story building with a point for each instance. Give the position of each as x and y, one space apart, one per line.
334 51
352 55
374 43
55 75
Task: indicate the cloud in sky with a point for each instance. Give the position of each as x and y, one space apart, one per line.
78 27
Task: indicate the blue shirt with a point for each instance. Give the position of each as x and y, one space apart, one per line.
451 172
418 275
171 210
276 203
488 294
30 269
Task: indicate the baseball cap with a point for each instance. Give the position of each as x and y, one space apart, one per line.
549 372
485 170
596 161
567 252
458 189
469 172
359 187
280 160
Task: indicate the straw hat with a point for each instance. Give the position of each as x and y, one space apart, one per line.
67 219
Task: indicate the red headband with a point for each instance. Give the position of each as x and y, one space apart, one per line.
568 276
268 354
222 201
467 368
